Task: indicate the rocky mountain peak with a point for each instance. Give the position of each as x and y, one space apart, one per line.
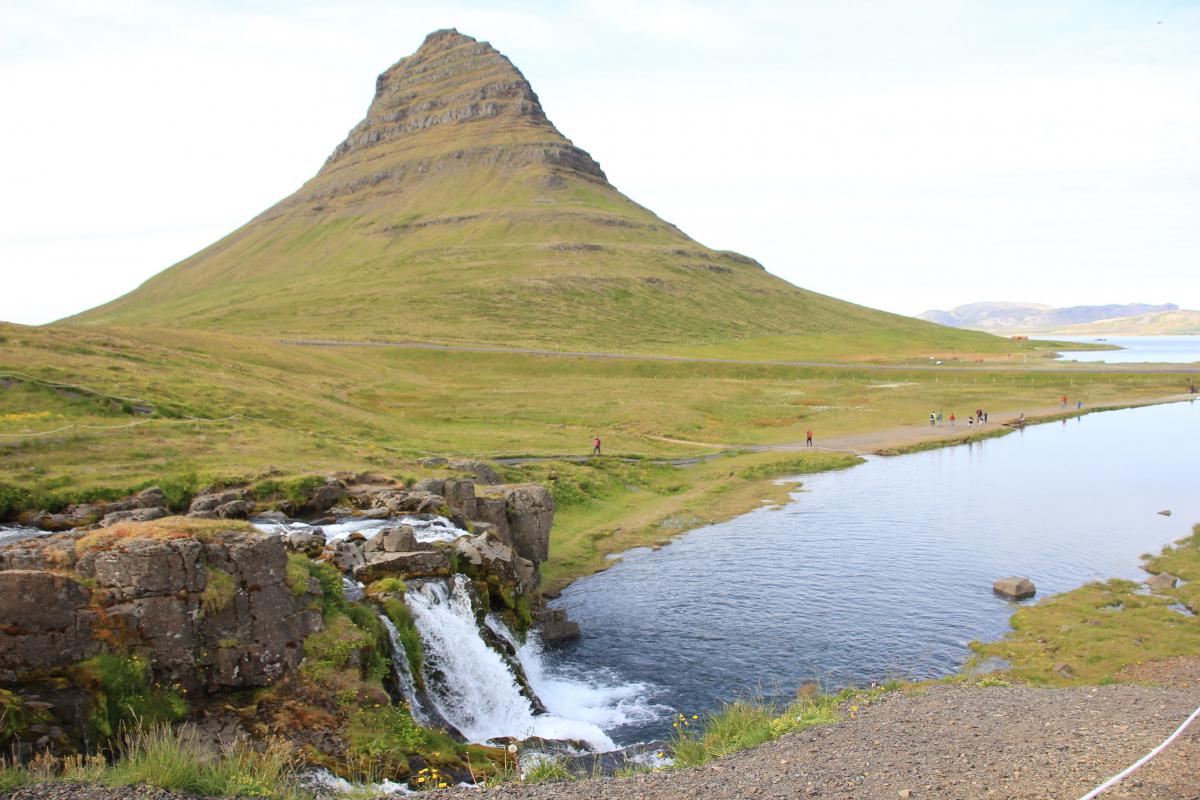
452 80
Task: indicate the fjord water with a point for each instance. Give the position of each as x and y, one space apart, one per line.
1136 349
884 570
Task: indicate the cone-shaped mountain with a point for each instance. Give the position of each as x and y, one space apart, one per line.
456 212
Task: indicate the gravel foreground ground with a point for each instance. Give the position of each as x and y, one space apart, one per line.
948 742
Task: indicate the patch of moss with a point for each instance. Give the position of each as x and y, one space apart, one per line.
296 574
15 717
219 590
387 586
123 694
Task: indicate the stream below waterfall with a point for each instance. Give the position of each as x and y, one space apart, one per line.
884 570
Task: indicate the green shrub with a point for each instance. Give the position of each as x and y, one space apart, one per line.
330 650
13 499
378 731
298 489
376 653
544 770
333 595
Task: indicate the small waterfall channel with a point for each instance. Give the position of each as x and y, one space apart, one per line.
477 678
469 682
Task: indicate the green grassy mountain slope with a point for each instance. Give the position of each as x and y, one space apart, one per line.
456 212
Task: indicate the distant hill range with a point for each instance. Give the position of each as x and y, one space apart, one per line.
1009 318
456 212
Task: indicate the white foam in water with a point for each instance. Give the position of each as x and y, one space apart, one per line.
15 533
590 698
324 779
430 528
403 676
478 694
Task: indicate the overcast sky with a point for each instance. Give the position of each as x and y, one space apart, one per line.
903 155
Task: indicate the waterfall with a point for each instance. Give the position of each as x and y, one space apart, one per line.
470 684
404 678
601 699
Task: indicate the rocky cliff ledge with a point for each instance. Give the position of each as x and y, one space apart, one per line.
160 618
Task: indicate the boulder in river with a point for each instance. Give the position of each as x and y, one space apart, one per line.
1162 581
1014 587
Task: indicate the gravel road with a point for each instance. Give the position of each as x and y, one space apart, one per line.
951 742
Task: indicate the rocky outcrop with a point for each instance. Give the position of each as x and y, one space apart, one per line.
556 628
46 621
481 472
418 564
529 509
209 609
228 504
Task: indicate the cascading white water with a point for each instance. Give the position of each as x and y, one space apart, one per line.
599 699
470 682
404 679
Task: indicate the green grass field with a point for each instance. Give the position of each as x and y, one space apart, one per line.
226 407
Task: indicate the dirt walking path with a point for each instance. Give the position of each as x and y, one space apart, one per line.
950 743
876 441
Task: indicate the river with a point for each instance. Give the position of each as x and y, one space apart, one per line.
1136 349
884 570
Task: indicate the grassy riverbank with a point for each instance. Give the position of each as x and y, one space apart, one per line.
1091 634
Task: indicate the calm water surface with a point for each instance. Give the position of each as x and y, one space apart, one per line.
884 570
1159 349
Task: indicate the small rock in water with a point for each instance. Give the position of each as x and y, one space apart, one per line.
1016 587
1166 512
1161 581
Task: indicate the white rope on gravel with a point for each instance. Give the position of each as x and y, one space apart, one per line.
1115 779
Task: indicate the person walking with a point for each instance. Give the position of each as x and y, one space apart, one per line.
970 422
1064 401
596 446
932 418
808 439
1078 405
951 420
939 419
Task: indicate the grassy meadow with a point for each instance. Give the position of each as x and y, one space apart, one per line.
159 405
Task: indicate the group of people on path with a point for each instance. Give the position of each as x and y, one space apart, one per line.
980 416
